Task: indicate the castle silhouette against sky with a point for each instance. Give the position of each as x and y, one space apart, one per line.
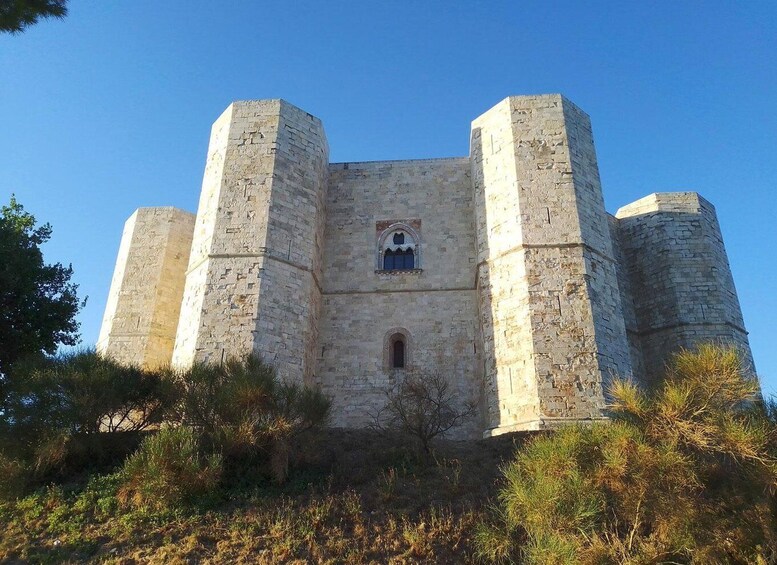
501 271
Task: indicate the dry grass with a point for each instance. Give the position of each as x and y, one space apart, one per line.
362 499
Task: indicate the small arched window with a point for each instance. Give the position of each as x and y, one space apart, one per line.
397 351
399 354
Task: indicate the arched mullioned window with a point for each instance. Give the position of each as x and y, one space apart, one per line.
399 249
396 349
398 260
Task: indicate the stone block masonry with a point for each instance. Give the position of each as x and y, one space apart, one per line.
144 302
434 306
681 283
547 276
253 281
514 283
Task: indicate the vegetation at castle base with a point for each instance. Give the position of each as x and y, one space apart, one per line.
243 411
423 406
77 412
169 468
64 414
227 423
17 15
685 473
351 497
240 470
38 302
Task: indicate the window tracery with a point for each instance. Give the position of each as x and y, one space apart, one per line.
398 249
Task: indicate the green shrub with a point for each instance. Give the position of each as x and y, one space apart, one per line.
684 473
13 477
242 410
57 411
85 393
168 469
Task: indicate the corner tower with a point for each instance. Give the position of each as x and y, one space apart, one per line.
681 281
550 311
141 315
253 281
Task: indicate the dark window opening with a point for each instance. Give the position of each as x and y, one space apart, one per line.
388 260
398 260
399 238
398 361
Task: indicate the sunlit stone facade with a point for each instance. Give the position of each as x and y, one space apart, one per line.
501 270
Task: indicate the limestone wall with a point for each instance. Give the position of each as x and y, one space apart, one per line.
550 306
613 352
680 277
363 305
144 302
525 294
253 278
627 301
510 381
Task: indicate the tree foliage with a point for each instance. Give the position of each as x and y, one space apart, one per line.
72 412
38 302
57 408
685 473
17 15
84 393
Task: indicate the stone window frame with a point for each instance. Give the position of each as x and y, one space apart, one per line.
388 349
382 245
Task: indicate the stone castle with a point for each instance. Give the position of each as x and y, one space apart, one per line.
502 270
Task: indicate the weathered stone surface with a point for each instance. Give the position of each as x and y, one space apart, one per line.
547 278
681 282
523 291
144 302
253 282
435 305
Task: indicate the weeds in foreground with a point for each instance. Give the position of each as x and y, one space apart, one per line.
168 469
321 522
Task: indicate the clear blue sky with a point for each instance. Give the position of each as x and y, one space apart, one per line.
111 108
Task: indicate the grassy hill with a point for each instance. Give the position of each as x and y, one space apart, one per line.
361 498
241 471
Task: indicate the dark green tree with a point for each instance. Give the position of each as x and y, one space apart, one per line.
38 302
17 15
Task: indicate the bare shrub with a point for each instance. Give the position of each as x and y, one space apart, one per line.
423 406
